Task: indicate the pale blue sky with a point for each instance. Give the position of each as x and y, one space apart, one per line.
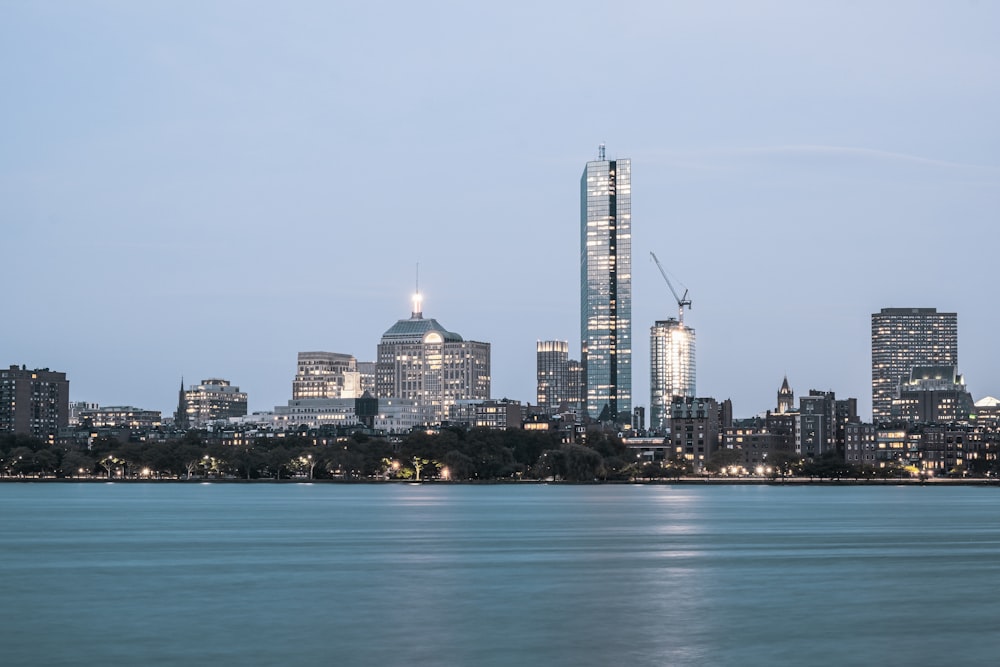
207 188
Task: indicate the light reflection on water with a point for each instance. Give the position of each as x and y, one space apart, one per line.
497 575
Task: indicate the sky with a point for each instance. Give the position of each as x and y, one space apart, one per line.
204 189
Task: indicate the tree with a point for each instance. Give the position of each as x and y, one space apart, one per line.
829 465
76 463
723 459
784 463
677 466
550 465
419 464
277 460
109 462
343 462
458 464
583 464
46 461
189 456
21 461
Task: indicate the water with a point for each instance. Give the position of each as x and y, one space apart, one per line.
396 574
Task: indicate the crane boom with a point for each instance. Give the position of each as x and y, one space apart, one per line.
681 300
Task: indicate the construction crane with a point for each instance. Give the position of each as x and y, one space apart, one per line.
681 300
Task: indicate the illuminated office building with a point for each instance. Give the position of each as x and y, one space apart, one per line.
213 399
326 375
559 377
121 416
671 368
932 394
606 287
420 360
902 339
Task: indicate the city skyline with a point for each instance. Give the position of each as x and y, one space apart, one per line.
207 192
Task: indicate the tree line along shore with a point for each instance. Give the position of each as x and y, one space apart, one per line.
448 454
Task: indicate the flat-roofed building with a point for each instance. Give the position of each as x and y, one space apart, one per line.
932 394
326 375
33 402
121 416
903 338
212 400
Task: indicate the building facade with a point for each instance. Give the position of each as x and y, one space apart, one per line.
326 375
213 399
33 402
903 338
696 427
932 394
366 374
606 287
121 416
821 421
671 368
558 377
421 361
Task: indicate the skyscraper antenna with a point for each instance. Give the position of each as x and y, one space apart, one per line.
600 152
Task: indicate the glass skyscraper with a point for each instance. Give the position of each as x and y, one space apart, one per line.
902 339
671 368
606 286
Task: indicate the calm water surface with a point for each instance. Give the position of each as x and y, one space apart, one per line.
395 574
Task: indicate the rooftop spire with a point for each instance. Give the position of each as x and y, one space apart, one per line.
600 152
417 313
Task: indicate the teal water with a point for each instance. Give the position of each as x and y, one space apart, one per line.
327 574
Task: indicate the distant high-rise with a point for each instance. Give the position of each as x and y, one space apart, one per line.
558 377
903 338
671 368
420 360
606 287
33 402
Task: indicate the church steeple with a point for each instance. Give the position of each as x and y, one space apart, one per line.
786 398
181 420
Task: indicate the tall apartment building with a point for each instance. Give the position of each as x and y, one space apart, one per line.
821 423
326 375
606 287
33 402
420 360
213 399
903 338
696 427
671 368
559 377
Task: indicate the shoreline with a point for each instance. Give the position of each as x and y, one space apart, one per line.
684 481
